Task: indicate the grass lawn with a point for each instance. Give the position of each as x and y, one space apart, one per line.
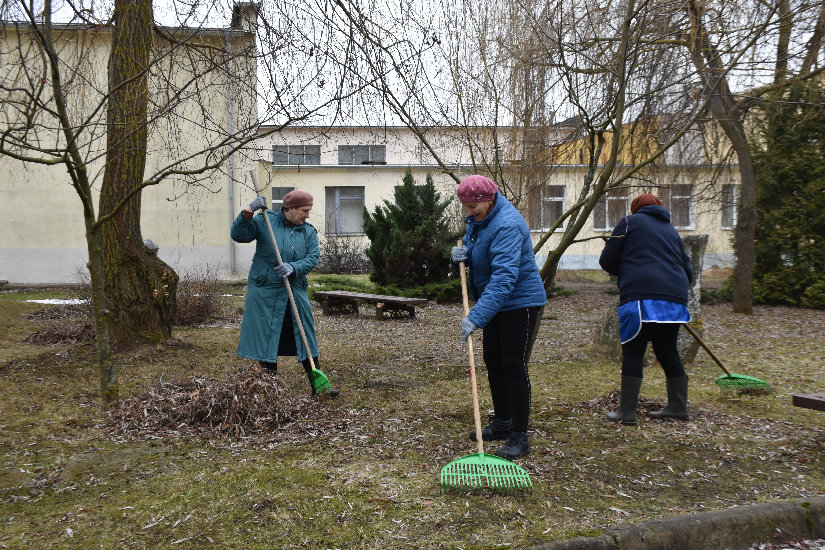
362 471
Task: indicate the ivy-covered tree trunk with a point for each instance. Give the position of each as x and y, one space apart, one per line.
140 287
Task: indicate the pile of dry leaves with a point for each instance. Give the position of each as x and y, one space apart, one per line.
67 324
251 405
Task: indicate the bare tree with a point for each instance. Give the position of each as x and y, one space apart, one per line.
499 78
758 48
65 108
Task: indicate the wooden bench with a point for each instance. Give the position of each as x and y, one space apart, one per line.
343 301
815 401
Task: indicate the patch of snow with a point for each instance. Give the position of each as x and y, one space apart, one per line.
57 301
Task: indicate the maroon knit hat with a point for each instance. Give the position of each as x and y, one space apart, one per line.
644 200
476 188
297 198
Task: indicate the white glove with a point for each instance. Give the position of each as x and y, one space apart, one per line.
257 204
467 328
285 270
458 254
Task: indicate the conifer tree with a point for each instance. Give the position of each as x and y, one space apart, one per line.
790 236
410 239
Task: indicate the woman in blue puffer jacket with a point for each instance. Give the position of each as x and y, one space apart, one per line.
510 298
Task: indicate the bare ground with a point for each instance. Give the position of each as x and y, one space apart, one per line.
362 470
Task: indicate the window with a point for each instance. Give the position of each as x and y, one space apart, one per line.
729 203
278 196
611 208
344 210
546 206
362 154
679 200
296 154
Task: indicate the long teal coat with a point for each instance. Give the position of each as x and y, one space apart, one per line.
266 295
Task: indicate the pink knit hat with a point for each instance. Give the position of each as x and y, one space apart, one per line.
476 188
297 198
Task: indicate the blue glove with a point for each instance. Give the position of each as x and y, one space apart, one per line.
467 328
458 254
285 270
257 204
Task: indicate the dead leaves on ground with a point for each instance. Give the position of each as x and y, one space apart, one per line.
252 406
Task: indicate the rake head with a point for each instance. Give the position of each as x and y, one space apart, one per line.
320 381
480 470
743 384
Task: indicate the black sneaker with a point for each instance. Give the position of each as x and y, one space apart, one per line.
496 430
517 446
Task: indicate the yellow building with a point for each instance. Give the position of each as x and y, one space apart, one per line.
349 168
202 89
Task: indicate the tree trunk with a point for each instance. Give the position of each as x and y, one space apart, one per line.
107 370
695 246
726 112
746 216
607 340
140 288
745 238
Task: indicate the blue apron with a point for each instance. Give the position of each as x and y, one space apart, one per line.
634 313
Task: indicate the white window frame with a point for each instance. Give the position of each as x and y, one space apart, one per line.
278 194
333 198
730 200
685 193
375 154
604 203
543 198
296 153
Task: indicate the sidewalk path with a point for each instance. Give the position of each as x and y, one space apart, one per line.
736 528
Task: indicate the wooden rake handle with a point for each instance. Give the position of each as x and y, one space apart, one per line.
295 314
471 355
705 347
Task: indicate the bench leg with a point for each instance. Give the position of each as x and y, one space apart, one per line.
393 310
340 306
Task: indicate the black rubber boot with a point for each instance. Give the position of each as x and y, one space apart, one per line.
677 391
308 369
517 446
271 367
496 430
626 414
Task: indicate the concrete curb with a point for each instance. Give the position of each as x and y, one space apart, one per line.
731 528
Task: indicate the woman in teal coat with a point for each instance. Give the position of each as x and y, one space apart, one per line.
268 329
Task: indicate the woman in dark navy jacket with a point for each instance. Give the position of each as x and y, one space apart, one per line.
647 255
510 298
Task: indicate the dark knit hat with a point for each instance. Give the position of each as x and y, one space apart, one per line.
297 198
476 189
644 200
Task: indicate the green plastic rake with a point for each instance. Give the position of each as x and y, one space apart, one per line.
739 383
480 470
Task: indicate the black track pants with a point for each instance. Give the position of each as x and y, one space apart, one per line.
508 342
664 337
